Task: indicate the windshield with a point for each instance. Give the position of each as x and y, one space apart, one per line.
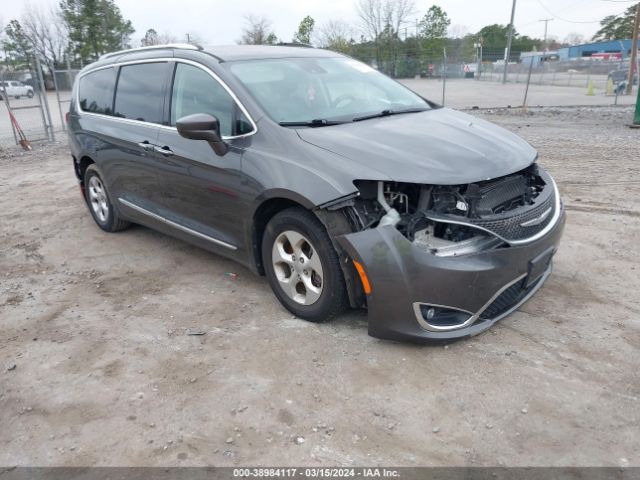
304 90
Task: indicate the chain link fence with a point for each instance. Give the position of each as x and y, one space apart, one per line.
63 81
24 96
39 97
532 78
601 74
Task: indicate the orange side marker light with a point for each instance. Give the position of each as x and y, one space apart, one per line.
363 277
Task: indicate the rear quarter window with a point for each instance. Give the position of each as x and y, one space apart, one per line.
96 91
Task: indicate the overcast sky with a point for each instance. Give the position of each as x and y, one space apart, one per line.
220 22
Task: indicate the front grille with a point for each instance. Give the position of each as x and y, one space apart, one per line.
499 194
507 300
508 226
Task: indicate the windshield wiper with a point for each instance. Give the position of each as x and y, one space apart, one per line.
317 122
388 112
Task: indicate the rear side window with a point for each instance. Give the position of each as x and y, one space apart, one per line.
140 92
195 91
96 91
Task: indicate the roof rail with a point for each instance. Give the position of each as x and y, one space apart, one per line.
187 46
294 44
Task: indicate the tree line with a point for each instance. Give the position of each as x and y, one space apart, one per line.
393 40
391 35
80 30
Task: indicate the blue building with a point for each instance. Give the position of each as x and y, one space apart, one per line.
588 49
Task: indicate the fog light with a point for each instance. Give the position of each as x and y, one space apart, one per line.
443 317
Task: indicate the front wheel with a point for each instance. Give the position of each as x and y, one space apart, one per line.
30 94
302 266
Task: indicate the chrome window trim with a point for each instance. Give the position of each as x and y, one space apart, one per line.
470 321
523 241
166 127
188 230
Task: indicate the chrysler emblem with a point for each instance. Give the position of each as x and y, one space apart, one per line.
538 220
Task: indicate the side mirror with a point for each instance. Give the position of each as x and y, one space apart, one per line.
202 126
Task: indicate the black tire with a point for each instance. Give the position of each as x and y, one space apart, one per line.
333 299
111 221
30 94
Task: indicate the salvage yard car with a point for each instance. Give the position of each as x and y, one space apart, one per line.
15 89
621 75
342 186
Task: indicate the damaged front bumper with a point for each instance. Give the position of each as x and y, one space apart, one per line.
416 295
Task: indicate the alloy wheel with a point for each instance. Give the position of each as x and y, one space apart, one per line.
98 199
297 267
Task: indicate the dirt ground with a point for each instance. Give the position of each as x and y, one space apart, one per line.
97 366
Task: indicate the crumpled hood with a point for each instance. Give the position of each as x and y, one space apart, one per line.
439 146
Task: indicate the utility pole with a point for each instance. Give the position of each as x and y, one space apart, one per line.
478 47
634 52
546 24
636 117
510 37
444 73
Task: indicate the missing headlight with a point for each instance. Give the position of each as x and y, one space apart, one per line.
470 243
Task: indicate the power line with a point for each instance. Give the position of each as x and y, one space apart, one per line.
564 19
566 7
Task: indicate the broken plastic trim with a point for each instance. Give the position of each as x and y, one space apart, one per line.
556 216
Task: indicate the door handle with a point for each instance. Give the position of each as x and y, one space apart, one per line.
146 146
166 151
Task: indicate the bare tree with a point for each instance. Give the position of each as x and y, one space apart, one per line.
46 31
166 37
396 13
150 38
381 21
3 37
574 38
257 31
458 31
371 16
335 35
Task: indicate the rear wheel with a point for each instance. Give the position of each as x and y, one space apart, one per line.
302 266
30 94
99 202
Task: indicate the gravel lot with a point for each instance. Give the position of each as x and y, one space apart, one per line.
97 367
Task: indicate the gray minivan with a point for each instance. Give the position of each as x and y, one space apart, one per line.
342 186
